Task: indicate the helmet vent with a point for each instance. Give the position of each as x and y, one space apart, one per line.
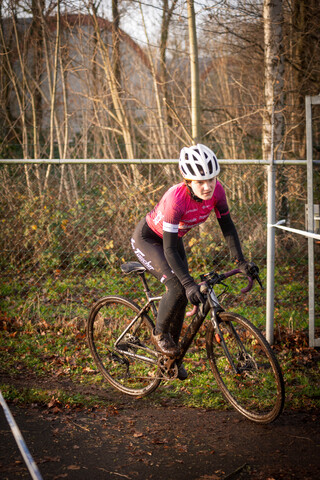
191 170
201 170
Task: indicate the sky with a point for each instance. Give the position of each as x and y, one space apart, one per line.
132 23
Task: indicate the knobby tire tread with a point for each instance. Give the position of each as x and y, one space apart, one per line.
263 417
117 300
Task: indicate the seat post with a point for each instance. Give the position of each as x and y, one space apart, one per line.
145 284
148 293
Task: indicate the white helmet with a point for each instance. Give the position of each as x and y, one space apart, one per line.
198 163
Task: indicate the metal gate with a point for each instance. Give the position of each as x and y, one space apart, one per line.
312 220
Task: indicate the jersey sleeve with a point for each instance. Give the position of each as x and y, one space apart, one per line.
221 207
230 234
172 212
171 253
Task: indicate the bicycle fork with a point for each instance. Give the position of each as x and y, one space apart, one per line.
219 337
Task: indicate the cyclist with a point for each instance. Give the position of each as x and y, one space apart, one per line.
158 241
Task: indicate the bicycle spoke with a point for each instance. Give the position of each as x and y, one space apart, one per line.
246 369
121 347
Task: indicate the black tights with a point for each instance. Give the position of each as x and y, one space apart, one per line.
148 247
172 309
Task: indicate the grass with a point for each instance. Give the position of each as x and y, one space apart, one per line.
42 336
53 398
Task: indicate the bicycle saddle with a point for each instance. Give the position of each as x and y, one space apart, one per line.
130 267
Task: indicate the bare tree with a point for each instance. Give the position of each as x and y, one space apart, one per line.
274 77
116 55
120 114
81 79
167 13
194 69
302 63
231 78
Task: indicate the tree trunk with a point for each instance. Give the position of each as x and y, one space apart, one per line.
273 125
36 40
194 66
116 42
166 19
120 114
274 71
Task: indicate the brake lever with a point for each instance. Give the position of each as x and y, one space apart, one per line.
259 281
254 275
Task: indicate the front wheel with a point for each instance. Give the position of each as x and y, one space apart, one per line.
120 343
245 368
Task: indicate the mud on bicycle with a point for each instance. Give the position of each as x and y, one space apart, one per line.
243 364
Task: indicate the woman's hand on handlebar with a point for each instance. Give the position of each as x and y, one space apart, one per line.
194 294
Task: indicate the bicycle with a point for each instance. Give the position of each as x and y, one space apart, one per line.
242 361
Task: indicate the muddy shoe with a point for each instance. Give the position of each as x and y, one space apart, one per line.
165 344
182 372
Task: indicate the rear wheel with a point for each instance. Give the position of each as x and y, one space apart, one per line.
120 343
246 368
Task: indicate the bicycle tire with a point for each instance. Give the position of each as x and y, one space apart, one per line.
131 366
256 388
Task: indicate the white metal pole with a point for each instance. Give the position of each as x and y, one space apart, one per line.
308 103
32 467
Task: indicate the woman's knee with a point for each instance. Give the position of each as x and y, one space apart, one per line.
177 290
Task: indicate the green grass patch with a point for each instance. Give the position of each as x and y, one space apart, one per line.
52 398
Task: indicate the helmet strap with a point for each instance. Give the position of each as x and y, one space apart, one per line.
191 192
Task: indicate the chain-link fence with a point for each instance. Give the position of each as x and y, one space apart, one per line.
65 230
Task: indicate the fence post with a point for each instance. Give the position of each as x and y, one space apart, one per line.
271 219
308 103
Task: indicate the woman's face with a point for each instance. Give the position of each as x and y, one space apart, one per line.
204 188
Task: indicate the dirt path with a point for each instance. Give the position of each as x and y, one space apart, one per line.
142 442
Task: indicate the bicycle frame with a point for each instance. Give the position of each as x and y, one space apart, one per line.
190 333
149 304
212 304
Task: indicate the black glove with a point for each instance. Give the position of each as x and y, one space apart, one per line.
194 295
248 268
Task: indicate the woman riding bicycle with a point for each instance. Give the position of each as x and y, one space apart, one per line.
158 241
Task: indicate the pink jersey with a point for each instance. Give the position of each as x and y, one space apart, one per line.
178 212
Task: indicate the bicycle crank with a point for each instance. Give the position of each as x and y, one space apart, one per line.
168 368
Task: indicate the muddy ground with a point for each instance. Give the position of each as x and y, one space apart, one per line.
137 440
